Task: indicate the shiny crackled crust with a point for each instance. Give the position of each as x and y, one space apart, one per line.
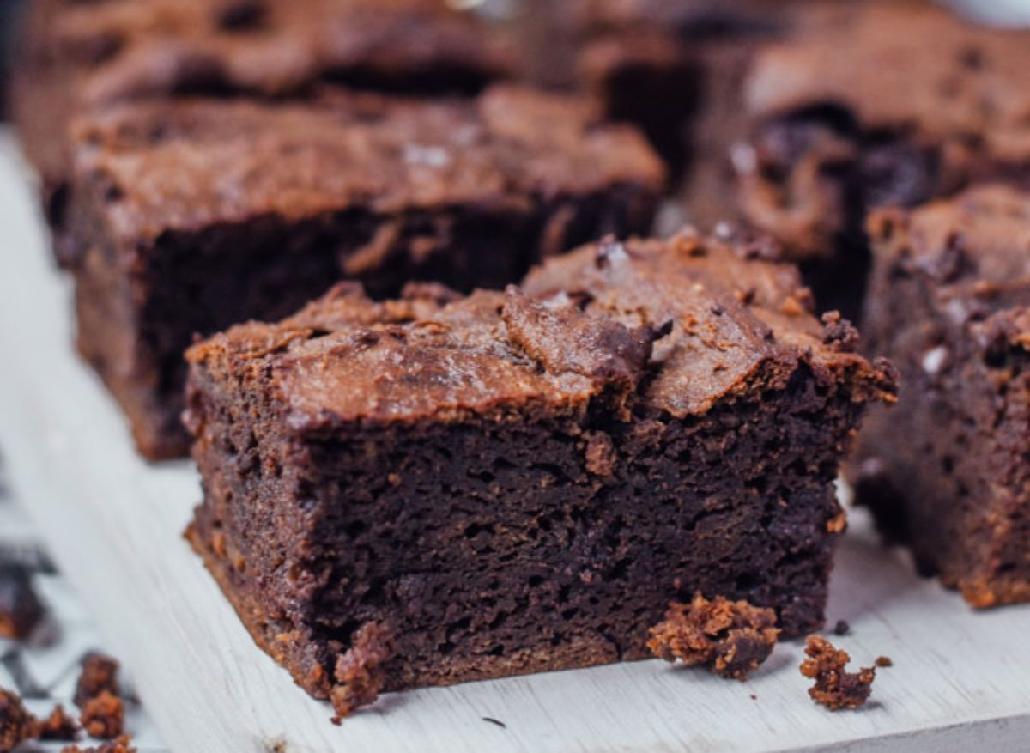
950 305
612 436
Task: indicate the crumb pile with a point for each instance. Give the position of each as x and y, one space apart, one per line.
835 688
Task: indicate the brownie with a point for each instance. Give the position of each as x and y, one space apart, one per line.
673 67
77 56
186 217
462 488
947 469
904 103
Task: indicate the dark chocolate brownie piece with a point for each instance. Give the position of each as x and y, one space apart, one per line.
903 103
673 67
947 469
523 481
186 217
78 56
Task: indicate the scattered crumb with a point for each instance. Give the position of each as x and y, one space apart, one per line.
838 523
884 661
16 724
834 687
359 673
754 697
122 745
99 673
20 608
841 628
729 638
58 726
103 717
495 722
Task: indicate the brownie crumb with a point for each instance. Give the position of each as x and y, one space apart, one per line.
103 716
842 628
358 673
884 661
16 724
835 688
99 674
58 726
122 744
20 608
730 638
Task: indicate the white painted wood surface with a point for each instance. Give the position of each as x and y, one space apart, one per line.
113 523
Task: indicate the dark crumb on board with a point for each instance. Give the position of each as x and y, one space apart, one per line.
122 745
884 661
495 722
842 628
20 608
730 638
754 697
58 726
835 688
16 724
103 717
359 673
99 673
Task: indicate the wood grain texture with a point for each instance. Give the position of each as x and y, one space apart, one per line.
114 525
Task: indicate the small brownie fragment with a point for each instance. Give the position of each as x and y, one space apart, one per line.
835 688
841 628
99 674
77 57
59 725
949 304
187 217
850 117
16 724
103 716
359 675
884 661
20 608
523 481
730 638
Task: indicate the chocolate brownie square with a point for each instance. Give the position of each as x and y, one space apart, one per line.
673 67
188 216
904 103
461 488
78 56
947 469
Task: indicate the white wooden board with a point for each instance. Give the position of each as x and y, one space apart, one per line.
114 523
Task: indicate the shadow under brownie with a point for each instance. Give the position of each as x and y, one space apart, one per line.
187 217
905 103
75 57
947 469
522 481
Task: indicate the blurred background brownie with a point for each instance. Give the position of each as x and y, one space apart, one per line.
522 481
903 103
185 217
947 469
76 55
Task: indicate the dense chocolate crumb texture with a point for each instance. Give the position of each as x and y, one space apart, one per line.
950 304
604 360
20 608
835 687
16 724
730 638
58 725
78 57
854 116
103 716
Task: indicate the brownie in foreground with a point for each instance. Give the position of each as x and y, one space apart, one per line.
464 488
187 217
76 57
947 470
857 116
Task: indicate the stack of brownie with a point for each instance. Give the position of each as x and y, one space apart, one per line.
453 420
